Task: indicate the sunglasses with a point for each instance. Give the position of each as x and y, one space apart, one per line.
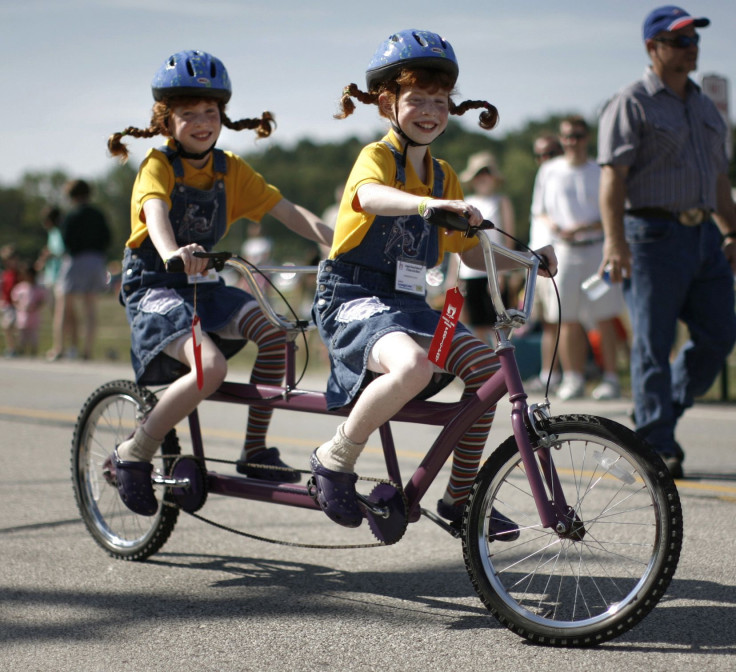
679 41
574 136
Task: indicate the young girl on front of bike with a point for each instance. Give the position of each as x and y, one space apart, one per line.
186 196
365 317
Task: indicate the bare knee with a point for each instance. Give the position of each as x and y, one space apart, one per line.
214 369
414 373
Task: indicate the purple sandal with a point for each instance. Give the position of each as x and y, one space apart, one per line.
336 493
268 457
502 527
134 485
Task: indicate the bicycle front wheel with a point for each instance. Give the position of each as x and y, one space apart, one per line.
108 417
597 579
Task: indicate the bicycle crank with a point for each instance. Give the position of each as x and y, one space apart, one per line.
386 510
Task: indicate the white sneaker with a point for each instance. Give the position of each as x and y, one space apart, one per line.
537 386
607 390
571 389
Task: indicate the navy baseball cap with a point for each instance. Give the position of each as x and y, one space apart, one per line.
669 18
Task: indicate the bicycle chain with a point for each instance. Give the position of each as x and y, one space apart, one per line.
281 542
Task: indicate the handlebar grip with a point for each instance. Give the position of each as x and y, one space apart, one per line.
174 265
451 220
215 260
446 219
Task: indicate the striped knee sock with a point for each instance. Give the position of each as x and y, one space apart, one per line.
473 362
268 369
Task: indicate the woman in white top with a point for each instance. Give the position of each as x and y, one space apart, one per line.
484 181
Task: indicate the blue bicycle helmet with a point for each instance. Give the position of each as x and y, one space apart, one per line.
192 73
410 48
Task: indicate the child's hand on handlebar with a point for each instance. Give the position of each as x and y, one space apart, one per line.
192 265
550 258
470 212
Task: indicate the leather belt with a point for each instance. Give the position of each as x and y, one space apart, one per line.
581 243
691 217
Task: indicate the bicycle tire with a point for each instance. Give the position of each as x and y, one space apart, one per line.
109 416
597 582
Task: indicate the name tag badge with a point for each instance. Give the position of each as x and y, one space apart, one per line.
210 275
410 277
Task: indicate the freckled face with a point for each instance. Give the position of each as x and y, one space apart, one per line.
423 115
196 126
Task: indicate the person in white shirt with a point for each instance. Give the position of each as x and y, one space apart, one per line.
484 180
566 200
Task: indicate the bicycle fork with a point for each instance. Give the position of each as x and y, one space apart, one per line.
554 511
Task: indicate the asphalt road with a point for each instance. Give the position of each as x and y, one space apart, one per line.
211 600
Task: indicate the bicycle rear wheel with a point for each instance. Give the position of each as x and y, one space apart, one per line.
600 578
109 416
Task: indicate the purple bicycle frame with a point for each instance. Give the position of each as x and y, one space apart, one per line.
455 418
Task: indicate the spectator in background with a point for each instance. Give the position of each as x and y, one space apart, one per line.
28 297
546 146
329 216
483 181
664 196
48 263
257 249
8 280
566 201
83 273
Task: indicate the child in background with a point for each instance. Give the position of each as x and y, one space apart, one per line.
186 196
8 280
28 297
366 318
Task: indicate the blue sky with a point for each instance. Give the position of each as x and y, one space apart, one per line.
77 70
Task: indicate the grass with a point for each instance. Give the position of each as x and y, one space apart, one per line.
113 339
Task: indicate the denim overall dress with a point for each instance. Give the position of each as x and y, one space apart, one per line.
356 302
160 305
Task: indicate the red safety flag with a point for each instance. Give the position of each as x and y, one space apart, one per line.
197 337
440 347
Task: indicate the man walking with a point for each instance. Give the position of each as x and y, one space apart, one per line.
664 196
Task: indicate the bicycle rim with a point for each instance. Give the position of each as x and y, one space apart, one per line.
108 417
591 585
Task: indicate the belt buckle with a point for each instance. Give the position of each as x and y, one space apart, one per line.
692 217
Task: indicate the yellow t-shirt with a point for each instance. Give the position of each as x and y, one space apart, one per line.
376 164
248 194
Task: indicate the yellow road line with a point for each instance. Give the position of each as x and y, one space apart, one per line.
683 485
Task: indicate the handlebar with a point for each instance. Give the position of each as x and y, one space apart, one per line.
451 220
215 260
505 317
246 270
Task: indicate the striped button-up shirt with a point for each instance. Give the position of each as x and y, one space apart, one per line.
674 149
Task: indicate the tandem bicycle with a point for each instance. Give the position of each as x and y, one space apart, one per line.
599 515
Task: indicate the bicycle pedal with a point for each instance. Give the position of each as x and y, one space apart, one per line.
454 531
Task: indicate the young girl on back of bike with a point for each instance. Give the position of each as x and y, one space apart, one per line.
366 316
186 196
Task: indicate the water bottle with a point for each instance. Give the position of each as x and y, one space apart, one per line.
597 286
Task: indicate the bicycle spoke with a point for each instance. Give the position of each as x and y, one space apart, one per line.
611 560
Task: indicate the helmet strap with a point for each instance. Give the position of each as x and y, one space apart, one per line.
184 154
